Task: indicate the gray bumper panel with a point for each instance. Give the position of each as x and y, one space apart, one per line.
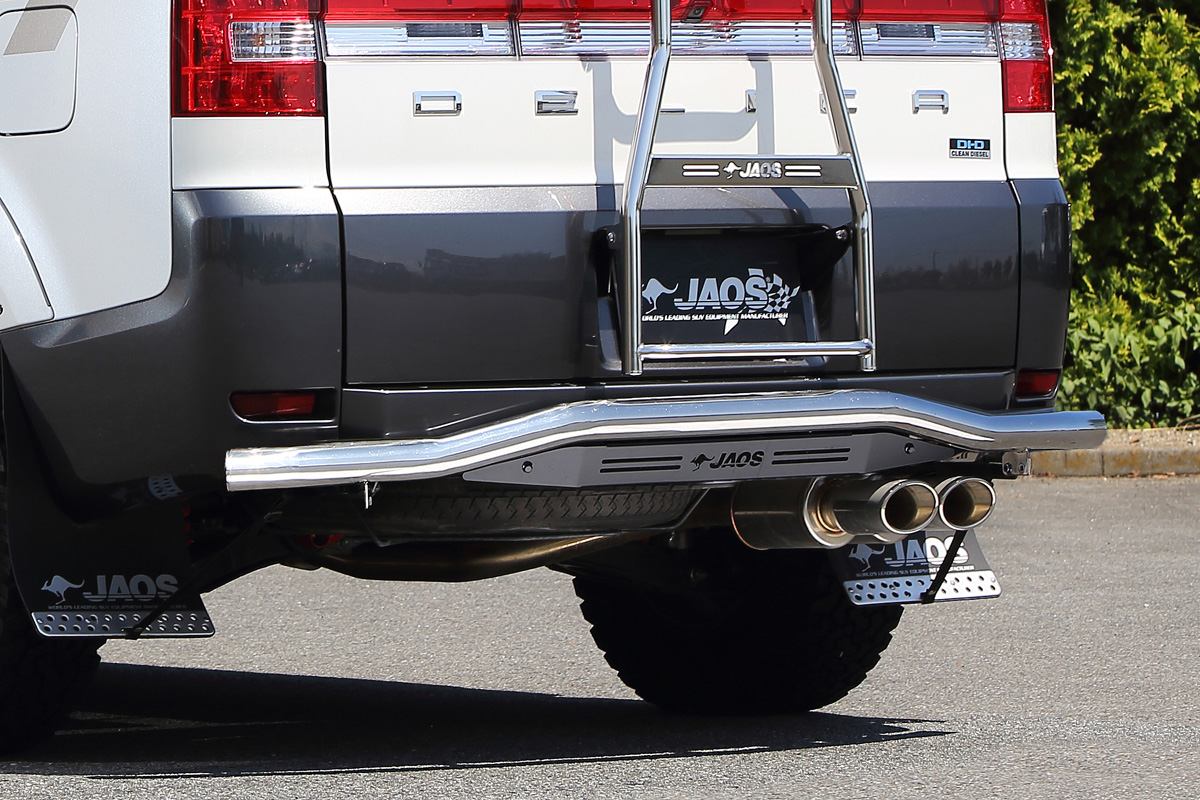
668 419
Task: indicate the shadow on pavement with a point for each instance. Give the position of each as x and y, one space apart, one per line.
173 722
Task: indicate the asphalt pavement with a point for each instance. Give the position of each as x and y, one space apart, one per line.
1081 681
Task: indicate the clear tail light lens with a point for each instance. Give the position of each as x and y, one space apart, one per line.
719 37
353 40
928 39
280 40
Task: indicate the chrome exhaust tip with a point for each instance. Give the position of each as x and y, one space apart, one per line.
828 513
965 503
888 510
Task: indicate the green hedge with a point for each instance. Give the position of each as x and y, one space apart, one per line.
1128 97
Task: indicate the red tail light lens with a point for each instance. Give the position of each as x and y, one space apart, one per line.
1036 383
601 9
246 57
931 10
405 10
269 406
784 9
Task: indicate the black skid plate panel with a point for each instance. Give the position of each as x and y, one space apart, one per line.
714 461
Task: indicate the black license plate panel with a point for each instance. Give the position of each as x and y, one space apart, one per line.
734 286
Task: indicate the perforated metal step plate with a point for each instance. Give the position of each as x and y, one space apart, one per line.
885 574
172 624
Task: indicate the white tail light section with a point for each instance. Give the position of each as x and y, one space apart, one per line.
573 28
725 37
273 41
544 38
1011 31
355 40
965 39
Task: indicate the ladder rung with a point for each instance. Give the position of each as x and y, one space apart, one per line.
671 352
770 171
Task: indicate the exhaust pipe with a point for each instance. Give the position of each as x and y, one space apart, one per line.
965 503
889 510
826 513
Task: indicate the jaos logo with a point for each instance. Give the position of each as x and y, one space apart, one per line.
912 553
731 299
142 588
754 169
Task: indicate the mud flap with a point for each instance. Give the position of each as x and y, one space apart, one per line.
93 579
882 574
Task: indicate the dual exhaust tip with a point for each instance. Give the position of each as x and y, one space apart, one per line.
831 512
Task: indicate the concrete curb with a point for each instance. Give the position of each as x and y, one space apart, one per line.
1127 453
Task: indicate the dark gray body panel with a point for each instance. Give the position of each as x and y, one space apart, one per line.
255 304
1045 273
502 290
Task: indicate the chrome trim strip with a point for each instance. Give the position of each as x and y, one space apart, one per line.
610 421
668 352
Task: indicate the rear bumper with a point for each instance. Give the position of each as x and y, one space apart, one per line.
730 419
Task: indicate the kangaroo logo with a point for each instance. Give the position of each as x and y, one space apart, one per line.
862 553
58 586
654 290
700 460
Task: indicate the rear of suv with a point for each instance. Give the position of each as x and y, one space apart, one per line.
723 307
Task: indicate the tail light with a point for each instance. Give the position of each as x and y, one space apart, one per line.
275 406
238 57
954 28
1028 69
1034 384
261 57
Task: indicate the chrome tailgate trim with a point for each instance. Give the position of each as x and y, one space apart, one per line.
662 419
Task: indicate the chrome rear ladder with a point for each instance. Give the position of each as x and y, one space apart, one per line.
842 170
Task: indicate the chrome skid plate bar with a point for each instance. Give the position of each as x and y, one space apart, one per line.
609 422
842 170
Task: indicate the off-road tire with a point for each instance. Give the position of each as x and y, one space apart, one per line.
782 638
39 677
